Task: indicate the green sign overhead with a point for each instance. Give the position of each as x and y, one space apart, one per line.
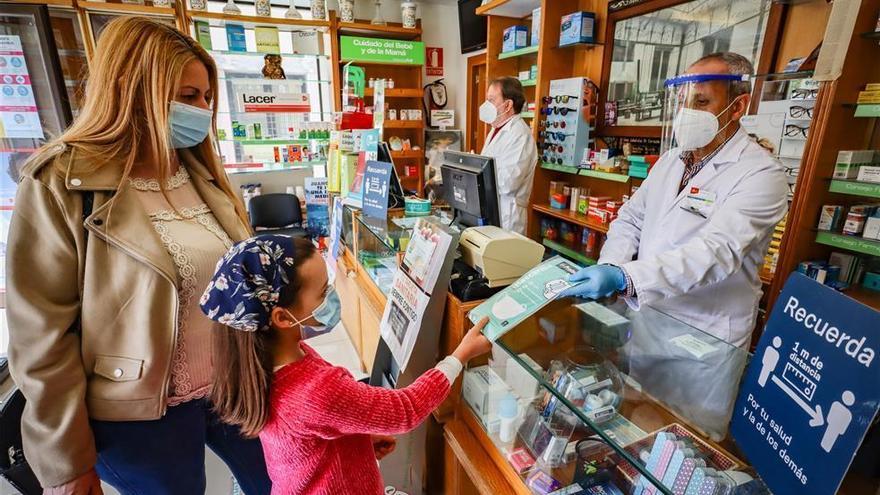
357 49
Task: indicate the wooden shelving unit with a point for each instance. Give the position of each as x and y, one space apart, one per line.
407 93
838 124
570 216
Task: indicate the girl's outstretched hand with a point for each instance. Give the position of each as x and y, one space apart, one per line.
473 344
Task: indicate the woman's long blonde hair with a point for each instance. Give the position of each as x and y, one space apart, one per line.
133 77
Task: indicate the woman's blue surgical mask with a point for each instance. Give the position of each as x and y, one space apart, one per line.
328 314
189 125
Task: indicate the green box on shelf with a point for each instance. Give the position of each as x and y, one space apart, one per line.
360 49
868 111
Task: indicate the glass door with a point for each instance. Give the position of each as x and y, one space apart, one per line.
33 109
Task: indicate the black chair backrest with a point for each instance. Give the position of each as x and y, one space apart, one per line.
275 211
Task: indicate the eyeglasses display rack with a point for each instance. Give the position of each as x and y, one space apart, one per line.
563 128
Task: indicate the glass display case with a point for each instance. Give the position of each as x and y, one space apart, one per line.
602 395
380 244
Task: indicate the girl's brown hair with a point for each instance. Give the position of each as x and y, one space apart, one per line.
243 361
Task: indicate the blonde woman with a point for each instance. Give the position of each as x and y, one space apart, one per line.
107 341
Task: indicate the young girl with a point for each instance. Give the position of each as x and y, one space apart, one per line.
314 420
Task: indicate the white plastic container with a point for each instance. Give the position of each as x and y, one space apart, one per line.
508 412
408 14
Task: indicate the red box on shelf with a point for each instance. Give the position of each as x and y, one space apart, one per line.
411 170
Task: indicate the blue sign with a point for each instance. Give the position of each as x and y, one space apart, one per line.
377 180
811 390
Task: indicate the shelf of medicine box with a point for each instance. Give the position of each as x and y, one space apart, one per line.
219 19
849 242
509 8
568 252
855 188
397 92
261 54
655 394
871 35
127 8
393 30
403 124
570 216
250 167
568 169
586 45
529 50
865 110
275 142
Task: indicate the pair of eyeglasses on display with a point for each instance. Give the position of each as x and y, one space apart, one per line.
804 94
553 135
792 130
799 112
558 99
563 110
558 125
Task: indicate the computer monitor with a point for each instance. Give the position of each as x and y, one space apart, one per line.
469 187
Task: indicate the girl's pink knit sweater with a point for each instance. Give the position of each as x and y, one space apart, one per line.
317 439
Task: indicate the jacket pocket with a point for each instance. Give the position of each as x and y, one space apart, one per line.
118 369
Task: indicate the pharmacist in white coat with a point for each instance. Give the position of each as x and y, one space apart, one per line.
511 144
691 240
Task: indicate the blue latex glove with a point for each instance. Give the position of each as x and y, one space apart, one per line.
596 282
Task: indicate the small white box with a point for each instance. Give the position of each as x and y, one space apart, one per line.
523 383
869 174
482 389
524 75
872 228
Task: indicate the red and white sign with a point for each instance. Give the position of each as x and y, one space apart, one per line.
250 101
19 115
433 61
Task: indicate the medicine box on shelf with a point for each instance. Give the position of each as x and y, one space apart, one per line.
577 27
515 37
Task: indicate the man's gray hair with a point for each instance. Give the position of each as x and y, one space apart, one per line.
736 64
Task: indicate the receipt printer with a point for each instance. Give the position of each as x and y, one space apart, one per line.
500 256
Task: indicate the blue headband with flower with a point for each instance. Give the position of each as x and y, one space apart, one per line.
247 282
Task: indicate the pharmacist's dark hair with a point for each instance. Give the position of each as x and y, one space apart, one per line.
736 64
511 89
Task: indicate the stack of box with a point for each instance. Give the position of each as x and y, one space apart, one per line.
870 96
849 163
771 259
515 37
840 271
536 26
482 390
598 211
577 27
860 220
638 166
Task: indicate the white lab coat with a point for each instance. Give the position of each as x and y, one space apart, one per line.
516 155
703 271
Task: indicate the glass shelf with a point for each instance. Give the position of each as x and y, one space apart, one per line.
855 188
253 167
783 76
518 53
261 55
604 372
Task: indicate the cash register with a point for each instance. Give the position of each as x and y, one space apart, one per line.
491 257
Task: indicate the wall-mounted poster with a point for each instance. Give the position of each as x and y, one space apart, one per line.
19 117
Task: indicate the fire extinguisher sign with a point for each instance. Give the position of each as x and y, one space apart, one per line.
433 61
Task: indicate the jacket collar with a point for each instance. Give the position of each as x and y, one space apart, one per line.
732 150
109 177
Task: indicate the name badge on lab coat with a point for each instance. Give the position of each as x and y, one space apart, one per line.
699 202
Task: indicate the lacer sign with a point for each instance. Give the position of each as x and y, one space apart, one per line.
250 101
811 390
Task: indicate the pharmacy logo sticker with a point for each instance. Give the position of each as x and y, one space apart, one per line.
811 389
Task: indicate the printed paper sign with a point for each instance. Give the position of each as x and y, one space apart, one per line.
434 61
811 391
352 48
19 115
442 118
523 298
251 101
403 316
425 254
377 180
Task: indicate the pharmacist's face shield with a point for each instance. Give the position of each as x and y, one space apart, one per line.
699 107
